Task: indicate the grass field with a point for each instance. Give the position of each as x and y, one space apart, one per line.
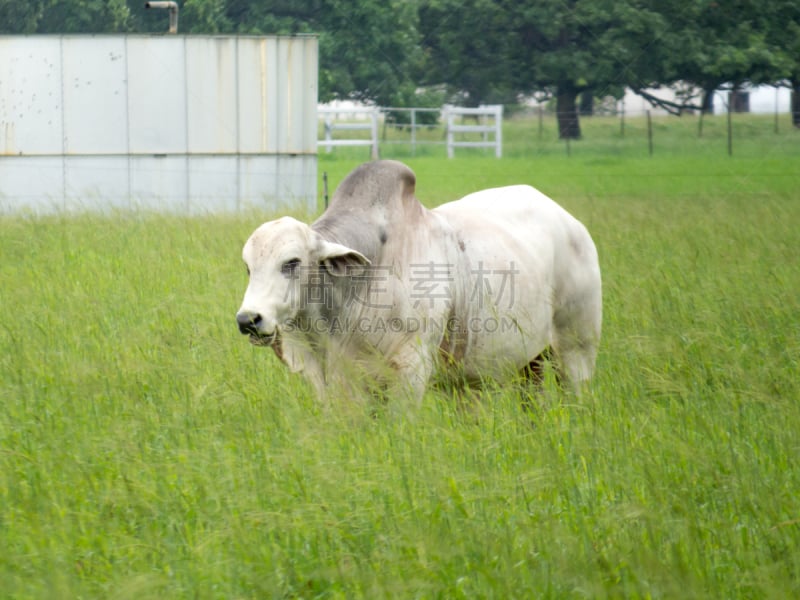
148 451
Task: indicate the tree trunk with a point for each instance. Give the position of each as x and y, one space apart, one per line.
569 128
707 107
587 104
795 104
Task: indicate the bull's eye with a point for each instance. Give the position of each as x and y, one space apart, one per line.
289 267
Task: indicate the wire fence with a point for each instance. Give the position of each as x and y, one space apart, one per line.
403 132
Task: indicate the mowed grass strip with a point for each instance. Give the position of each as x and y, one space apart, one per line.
147 450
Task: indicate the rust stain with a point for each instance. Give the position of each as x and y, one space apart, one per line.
9 140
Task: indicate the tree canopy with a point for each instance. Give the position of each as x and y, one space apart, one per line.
486 51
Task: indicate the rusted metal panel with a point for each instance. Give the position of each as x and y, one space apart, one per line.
278 182
257 85
159 183
213 183
310 93
297 184
175 123
301 121
278 95
180 184
258 176
95 183
157 95
95 95
31 184
211 95
31 107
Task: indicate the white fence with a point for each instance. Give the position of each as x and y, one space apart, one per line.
366 119
484 129
413 123
484 132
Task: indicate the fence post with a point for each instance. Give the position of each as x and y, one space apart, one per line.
730 125
541 119
776 109
325 188
375 152
498 134
328 133
450 115
413 132
481 114
370 115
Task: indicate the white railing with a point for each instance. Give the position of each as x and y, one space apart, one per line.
485 133
360 119
482 114
412 125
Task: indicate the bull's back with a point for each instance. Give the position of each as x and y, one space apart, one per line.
527 256
504 207
521 213
519 223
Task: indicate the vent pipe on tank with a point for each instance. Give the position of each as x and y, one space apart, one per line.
173 13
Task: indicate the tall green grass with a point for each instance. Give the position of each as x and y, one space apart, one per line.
148 451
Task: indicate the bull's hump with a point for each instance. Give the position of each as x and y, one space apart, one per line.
375 184
372 206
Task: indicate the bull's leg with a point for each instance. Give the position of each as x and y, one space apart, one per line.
300 359
575 341
534 374
576 362
534 370
413 366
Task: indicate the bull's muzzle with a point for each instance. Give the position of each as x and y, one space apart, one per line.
250 324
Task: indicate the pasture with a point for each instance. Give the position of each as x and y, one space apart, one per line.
148 451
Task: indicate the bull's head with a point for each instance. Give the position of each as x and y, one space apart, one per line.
286 260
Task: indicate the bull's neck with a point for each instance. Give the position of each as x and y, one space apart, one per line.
370 231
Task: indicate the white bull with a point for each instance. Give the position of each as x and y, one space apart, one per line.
380 290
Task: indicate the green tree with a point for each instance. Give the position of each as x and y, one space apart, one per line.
369 49
552 48
784 40
85 16
570 47
712 44
468 49
64 16
20 17
705 45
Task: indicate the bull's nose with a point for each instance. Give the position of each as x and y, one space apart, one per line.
248 322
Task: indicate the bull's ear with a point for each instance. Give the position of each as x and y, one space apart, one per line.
340 260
